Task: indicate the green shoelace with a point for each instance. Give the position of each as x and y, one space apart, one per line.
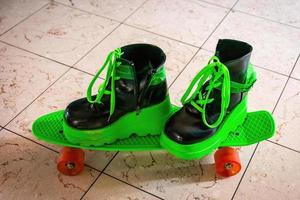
217 75
111 64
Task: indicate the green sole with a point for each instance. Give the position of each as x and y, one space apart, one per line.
257 126
238 129
149 121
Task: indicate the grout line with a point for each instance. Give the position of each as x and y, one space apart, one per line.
4 128
253 15
207 50
264 68
286 147
214 4
294 78
26 138
170 85
136 27
24 19
117 151
270 70
37 97
286 83
123 22
135 11
120 23
242 177
85 11
44 146
267 19
93 47
164 36
131 185
28 51
203 44
69 66
85 72
98 176
183 69
278 100
87 165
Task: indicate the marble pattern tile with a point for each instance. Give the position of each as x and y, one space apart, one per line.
28 171
118 10
273 174
189 21
70 87
296 72
267 82
170 178
225 3
60 33
283 11
266 90
23 76
287 116
14 11
178 54
111 189
276 46
65 34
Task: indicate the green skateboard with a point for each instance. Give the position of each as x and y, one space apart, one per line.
257 126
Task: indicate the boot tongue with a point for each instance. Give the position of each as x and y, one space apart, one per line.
125 70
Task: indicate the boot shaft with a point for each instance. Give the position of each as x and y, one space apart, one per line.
236 56
142 75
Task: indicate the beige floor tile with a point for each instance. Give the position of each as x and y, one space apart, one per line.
23 76
189 21
266 90
59 32
69 88
283 11
13 11
28 171
276 46
225 3
108 188
170 178
273 174
117 10
178 54
296 72
267 83
287 115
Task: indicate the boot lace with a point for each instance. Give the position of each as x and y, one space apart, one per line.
111 64
214 75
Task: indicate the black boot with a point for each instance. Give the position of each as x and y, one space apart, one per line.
135 81
187 126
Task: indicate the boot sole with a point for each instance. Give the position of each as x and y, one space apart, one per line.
149 121
200 149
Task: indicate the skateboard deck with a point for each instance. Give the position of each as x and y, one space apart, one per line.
258 126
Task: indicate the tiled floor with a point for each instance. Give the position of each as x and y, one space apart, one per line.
49 50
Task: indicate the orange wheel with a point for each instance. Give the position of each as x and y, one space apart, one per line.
70 161
227 162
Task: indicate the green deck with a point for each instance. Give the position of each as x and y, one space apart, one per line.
258 126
